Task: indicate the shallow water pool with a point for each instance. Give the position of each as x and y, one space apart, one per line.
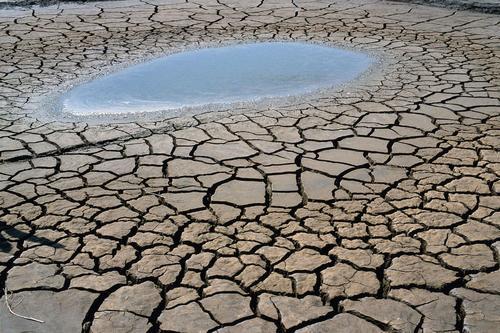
213 76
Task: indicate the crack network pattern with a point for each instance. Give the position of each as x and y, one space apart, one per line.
368 210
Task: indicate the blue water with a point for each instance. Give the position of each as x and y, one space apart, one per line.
219 75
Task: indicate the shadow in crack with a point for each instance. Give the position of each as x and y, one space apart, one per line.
6 246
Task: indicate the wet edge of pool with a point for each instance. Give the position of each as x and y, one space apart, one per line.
43 107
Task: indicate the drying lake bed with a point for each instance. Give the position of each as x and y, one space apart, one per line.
369 207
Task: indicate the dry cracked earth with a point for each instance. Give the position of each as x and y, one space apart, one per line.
371 209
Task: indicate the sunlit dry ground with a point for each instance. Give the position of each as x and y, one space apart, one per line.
373 209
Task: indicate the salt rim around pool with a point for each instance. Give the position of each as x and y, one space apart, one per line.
48 107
